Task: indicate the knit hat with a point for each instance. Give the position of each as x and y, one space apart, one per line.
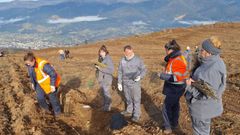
208 46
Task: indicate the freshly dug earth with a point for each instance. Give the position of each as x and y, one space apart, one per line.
20 113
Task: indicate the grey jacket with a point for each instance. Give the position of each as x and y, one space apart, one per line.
105 75
213 71
128 70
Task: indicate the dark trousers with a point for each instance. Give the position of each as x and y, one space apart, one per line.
170 111
53 99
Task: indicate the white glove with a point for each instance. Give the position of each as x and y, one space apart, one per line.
53 89
120 87
97 67
33 86
138 78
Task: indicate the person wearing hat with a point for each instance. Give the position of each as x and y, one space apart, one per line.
212 71
174 75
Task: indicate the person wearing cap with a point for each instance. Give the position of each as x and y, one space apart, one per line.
174 75
212 71
131 71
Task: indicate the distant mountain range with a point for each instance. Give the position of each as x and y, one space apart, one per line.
74 21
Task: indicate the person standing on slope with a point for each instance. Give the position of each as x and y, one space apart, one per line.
212 71
130 72
174 75
45 81
105 76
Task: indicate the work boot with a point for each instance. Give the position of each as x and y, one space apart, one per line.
176 127
126 114
46 111
178 130
59 115
135 119
107 109
167 131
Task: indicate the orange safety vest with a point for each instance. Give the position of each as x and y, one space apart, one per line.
43 79
178 68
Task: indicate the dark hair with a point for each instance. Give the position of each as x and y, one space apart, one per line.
102 48
127 47
173 45
29 57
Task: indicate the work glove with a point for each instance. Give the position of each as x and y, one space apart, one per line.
159 75
97 67
137 79
120 88
53 89
32 85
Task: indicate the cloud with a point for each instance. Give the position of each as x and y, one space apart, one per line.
6 1
13 20
131 1
139 23
177 18
76 19
195 22
103 1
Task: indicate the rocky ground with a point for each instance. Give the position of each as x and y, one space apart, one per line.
20 114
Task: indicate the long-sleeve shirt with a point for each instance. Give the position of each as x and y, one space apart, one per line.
128 70
106 73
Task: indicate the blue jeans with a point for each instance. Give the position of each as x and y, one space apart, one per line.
53 99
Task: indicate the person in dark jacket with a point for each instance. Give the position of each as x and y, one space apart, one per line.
105 76
174 75
45 81
212 71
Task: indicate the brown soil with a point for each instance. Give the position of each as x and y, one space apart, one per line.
20 114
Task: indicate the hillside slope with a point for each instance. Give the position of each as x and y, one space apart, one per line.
20 114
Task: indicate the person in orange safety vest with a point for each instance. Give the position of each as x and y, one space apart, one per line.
45 81
174 75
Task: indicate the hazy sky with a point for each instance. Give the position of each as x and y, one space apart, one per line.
105 1
5 1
